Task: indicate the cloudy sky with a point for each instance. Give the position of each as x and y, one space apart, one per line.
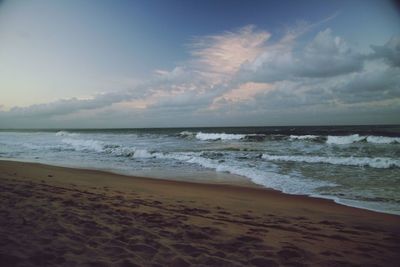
198 63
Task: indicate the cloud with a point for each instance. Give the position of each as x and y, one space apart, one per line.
178 74
376 87
223 54
242 74
390 51
325 56
377 82
243 92
66 106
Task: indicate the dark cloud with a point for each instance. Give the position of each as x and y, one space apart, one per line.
67 106
376 83
372 85
390 51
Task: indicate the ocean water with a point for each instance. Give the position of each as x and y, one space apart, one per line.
354 165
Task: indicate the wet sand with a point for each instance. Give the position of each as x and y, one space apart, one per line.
54 216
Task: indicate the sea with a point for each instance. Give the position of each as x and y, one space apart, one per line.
353 165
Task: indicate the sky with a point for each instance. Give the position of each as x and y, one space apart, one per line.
181 63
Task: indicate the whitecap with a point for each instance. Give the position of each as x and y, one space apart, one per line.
186 134
142 153
304 137
64 133
344 140
84 145
379 162
383 139
218 136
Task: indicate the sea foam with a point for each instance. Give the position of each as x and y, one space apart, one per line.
380 162
219 136
64 133
382 140
304 137
344 140
292 184
84 145
354 138
102 147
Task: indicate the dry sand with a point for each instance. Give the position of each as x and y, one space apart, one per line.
53 216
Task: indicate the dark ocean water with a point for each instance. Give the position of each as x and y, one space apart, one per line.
354 165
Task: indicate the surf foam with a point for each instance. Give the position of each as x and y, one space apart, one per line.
218 136
304 137
344 140
291 184
354 138
101 147
380 163
64 133
84 145
383 140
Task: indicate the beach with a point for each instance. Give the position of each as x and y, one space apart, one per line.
57 216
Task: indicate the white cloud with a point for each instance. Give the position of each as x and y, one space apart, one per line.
325 56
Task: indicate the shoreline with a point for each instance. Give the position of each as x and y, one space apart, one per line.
65 216
243 182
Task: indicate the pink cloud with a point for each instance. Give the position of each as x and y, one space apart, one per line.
222 55
243 92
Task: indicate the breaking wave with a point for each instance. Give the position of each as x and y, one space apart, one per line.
101 147
218 136
304 137
380 163
292 184
222 136
65 133
345 140
354 138
330 139
84 145
382 139
187 134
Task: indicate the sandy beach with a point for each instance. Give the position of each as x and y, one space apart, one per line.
55 216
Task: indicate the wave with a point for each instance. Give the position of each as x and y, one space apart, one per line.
222 136
354 138
382 140
218 136
255 137
291 184
84 145
187 134
143 153
64 133
101 147
304 137
380 162
330 139
345 140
